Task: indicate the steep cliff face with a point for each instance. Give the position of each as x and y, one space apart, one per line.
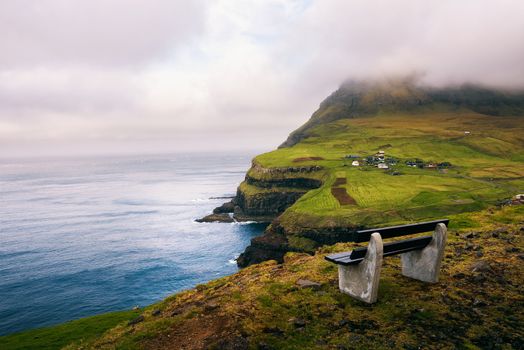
267 193
278 239
264 203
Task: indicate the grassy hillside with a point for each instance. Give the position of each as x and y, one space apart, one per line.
487 165
477 303
363 98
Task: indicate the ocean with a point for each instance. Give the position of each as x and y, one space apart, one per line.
84 236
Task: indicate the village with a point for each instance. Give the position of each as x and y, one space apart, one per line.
381 161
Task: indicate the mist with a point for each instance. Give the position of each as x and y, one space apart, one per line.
122 77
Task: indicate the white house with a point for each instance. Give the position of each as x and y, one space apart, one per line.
467 132
383 166
355 163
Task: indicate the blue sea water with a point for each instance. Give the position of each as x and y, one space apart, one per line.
80 237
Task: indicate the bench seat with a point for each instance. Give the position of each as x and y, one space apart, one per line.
421 257
355 256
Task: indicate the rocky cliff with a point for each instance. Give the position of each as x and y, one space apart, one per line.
266 193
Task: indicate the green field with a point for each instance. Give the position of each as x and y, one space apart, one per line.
487 166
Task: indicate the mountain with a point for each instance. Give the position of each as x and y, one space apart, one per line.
360 98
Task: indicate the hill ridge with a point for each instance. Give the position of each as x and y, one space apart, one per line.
359 98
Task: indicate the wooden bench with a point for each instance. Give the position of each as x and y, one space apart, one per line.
359 269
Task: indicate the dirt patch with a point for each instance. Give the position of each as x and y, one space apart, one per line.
306 159
340 181
342 196
199 333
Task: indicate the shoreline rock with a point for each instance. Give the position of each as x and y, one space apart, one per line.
225 218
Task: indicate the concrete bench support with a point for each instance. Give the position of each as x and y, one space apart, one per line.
361 281
424 265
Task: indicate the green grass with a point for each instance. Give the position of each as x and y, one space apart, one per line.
56 337
487 166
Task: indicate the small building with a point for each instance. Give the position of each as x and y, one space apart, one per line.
383 166
431 165
467 132
355 163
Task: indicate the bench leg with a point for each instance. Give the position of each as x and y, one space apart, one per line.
361 281
424 265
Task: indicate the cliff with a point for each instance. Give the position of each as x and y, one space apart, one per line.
267 192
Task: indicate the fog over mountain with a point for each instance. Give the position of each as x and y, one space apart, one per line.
128 76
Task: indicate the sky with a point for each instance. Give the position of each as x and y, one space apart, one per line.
110 77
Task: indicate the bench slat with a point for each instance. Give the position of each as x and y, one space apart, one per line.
357 255
396 231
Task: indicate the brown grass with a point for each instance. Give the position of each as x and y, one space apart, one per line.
340 181
306 159
342 196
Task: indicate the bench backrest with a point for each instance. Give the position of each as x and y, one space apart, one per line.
397 231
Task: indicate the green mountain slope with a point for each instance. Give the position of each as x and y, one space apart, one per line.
358 98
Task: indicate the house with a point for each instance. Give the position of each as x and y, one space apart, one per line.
383 166
467 132
355 163
380 155
431 165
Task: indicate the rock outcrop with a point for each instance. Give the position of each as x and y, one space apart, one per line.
266 193
262 197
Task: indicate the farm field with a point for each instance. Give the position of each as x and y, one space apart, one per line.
486 154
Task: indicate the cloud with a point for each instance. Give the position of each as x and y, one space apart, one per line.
94 32
449 41
181 75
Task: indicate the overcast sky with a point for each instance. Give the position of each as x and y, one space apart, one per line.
134 76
